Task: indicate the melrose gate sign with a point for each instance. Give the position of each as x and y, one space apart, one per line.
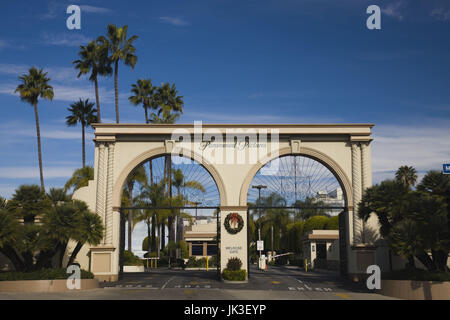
232 154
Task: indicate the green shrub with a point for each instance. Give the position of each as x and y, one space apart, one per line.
234 264
332 223
43 274
129 259
184 249
234 275
193 262
213 261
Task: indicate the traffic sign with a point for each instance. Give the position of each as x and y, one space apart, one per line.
446 168
260 245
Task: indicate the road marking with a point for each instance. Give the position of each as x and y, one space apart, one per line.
342 295
276 282
165 284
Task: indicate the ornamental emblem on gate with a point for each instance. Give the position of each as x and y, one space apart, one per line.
233 223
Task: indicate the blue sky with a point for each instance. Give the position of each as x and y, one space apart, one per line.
304 61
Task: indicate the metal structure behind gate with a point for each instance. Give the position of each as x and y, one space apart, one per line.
122 231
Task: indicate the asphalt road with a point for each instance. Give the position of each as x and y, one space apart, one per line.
277 283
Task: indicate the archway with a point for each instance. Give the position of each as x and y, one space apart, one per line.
298 190
182 198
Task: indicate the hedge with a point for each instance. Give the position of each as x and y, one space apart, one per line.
44 274
234 275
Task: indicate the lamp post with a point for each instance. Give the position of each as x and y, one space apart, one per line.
196 204
259 187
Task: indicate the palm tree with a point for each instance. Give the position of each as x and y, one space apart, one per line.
278 218
89 229
406 175
137 175
169 115
145 94
168 100
94 59
82 112
120 48
179 182
34 86
58 196
80 178
153 195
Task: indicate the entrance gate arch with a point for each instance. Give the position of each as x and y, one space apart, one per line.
232 154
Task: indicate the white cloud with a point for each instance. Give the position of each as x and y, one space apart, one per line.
424 147
17 129
211 117
394 10
33 172
92 9
441 14
65 39
174 21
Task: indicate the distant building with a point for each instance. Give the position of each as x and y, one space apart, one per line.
333 198
200 236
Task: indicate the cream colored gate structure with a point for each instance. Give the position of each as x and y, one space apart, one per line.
232 154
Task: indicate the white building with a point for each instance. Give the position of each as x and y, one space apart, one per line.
200 236
333 198
321 249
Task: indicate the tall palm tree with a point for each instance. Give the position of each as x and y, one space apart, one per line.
167 114
120 48
84 113
145 94
94 59
137 175
34 86
153 195
406 175
179 182
168 100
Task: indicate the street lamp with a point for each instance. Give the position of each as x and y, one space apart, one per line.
196 204
259 187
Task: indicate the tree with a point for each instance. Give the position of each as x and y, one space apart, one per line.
80 178
58 196
89 229
406 175
437 184
28 203
179 183
34 86
152 195
137 175
332 223
94 59
412 222
84 113
168 100
309 207
120 49
144 93
316 223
